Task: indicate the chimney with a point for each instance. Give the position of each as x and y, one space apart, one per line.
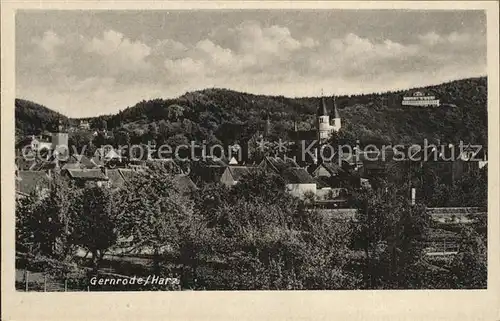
57 168
267 126
413 194
104 170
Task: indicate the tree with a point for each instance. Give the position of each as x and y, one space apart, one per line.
52 220
152 134
152 211
259 237
25 223
80 140
470 190
390 231
122 137
469 266
174 112
95 224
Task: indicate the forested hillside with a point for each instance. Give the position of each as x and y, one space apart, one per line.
32 118
228 116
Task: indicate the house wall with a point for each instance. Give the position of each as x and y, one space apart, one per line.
420 102
321 171
329 193
227 178
323 193
59 139
299 190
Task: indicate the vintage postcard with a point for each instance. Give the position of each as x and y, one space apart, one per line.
244 160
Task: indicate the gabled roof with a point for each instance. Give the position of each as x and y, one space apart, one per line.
72 166
116 178
323 182
97 161
209 174
332 167
129 174
278 164
184 183
29 181
87 174
237 172
83 160
168 163
297 176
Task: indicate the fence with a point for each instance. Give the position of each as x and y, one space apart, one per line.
43 282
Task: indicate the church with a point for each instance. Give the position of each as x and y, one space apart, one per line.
326 127
328 122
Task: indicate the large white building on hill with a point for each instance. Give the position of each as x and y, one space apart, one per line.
420 99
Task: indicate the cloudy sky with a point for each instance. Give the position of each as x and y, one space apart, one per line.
86 63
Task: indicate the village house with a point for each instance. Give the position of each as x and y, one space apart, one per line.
233 174
84 125
299 183
207 170
31 182
87 177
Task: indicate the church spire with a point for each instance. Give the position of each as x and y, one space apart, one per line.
322 109
335 111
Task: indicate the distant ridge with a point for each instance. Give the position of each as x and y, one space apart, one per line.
224 114
32 118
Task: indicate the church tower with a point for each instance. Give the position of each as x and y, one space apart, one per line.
336 123
60 139
324 129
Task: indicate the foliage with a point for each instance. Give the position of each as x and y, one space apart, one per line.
469 267
152 212
259 237
389 230
95 224
33 119
471 189
228 116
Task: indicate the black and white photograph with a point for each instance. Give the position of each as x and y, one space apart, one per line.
265 151
226 149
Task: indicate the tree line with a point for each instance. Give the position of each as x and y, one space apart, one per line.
221 115
252 236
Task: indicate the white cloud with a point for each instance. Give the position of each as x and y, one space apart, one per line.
430 38
110 70
185 67
46 47
120 53
169 48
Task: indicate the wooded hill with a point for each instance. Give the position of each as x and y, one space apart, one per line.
228 116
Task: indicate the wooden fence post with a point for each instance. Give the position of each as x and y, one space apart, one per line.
27 280
44 283
65 285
